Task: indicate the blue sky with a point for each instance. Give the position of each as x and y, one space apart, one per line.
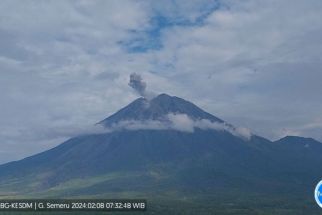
65 65
150 38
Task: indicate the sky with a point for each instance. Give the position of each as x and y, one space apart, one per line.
65 65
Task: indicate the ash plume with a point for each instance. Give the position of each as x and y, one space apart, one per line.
137 83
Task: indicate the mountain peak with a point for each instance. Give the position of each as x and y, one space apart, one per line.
164 97
297 140
157 108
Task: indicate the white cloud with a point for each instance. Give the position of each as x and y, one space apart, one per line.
258 61
181 122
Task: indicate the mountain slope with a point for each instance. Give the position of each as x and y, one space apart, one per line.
133 151
138 150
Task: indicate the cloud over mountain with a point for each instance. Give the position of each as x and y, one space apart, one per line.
179 122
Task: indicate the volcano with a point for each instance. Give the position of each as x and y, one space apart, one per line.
167 146
143 109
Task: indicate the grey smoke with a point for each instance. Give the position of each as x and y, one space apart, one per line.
137 83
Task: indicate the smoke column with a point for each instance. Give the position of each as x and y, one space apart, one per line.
137 83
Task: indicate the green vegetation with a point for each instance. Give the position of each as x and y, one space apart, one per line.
221 203
179 201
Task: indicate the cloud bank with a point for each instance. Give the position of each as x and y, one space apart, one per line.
179 122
